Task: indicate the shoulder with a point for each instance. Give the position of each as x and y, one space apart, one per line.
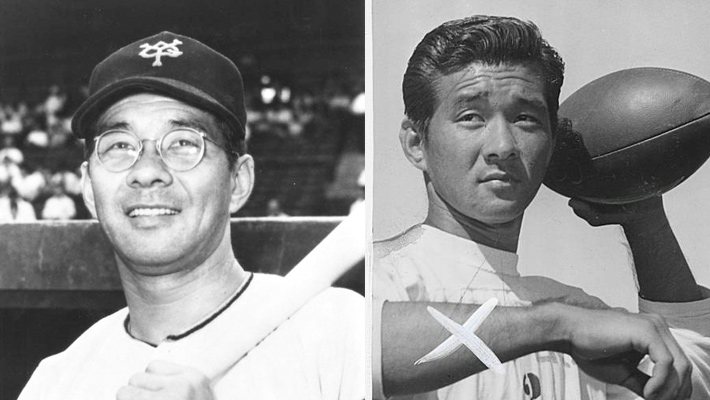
95 336
59 366
398 243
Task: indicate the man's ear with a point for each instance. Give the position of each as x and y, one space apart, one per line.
87 191
412 141
242 182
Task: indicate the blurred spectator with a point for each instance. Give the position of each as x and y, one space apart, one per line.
273 209
37 137
359 104
360 201
59 206
301 136
11 121
10 159
59 133
12 207
53 105
9 153
32 185
72 183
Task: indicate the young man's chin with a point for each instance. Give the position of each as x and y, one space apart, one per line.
499 214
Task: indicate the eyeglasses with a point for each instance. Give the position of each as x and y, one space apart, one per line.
180 149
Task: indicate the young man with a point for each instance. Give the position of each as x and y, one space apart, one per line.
166 166
481 99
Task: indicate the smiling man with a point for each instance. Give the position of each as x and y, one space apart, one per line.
481 99
166 166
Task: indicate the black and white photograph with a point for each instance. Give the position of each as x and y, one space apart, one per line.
349 200
540 196
182 196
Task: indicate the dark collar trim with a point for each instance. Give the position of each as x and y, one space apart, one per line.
204 322
126 327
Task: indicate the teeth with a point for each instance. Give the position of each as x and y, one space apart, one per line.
148 212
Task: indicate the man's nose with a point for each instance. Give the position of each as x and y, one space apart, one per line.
500 142
149 169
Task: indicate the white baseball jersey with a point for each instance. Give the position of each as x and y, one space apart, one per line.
319 353
427 264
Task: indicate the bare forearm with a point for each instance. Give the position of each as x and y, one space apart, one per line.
662 270
408 332
663 273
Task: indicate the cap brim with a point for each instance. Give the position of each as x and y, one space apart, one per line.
108 95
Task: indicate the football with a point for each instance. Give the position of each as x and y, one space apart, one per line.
631 135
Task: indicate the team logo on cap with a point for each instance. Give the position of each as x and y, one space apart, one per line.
160 49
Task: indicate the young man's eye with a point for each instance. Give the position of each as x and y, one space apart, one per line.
527 118
470 117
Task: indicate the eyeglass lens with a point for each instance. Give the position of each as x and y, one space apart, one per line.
180 150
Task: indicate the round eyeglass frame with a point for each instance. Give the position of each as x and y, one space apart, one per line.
158 145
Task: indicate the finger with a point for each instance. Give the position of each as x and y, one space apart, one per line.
663 379
687 385
144 380
636 382
577 203
162 367
682 368
687 390
580 206
586 211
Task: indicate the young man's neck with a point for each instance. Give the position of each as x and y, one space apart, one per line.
161 306
503 236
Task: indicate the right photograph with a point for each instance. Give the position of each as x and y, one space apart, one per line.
539 200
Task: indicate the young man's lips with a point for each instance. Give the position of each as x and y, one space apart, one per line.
499 176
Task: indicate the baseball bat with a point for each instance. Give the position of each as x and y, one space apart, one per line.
331 258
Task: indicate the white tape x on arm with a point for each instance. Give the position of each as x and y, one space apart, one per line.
464 335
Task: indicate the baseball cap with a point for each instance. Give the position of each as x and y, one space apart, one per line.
170 64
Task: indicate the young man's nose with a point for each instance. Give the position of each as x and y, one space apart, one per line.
500 142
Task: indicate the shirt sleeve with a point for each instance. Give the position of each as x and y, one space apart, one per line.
690 325
692 315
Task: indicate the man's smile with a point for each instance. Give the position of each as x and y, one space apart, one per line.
151 211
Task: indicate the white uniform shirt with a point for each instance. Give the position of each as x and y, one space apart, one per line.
427 264
319 353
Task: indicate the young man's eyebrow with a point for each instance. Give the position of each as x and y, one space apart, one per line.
465 99
533 102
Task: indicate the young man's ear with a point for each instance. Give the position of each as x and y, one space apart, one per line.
412 141
242 182
87 191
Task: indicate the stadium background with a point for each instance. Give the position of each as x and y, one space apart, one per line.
307 56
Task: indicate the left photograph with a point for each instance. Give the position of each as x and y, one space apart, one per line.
182 200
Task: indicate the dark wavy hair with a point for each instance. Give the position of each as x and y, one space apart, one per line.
491 40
